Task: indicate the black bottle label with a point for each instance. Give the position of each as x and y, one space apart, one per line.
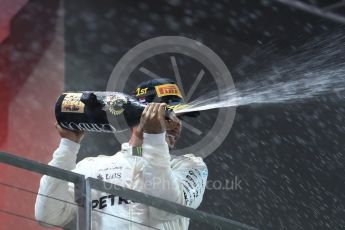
100 111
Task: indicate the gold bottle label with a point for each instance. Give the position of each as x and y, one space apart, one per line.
72 104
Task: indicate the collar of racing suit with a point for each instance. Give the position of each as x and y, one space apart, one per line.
137 151
130 150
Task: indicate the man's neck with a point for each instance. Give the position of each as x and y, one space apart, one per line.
135 142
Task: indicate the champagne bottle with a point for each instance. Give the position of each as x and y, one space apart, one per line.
92 111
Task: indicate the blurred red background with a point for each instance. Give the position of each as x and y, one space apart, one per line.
31 78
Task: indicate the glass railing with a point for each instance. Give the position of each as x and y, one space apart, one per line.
83 204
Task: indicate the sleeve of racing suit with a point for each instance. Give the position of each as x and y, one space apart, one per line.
50 211
162 181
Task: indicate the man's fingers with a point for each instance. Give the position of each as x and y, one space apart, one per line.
161 111
161 114
154 120
173 122
174 117
81 134
145 110
149 110
156 109
58 127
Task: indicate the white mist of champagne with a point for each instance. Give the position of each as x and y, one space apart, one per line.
317 69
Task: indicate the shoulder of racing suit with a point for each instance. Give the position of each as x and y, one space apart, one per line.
192 173
90 164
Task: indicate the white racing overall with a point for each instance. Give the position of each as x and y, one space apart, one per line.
179 179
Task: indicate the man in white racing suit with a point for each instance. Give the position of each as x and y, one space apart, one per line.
181 179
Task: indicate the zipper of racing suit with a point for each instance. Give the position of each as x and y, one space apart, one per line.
131 187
